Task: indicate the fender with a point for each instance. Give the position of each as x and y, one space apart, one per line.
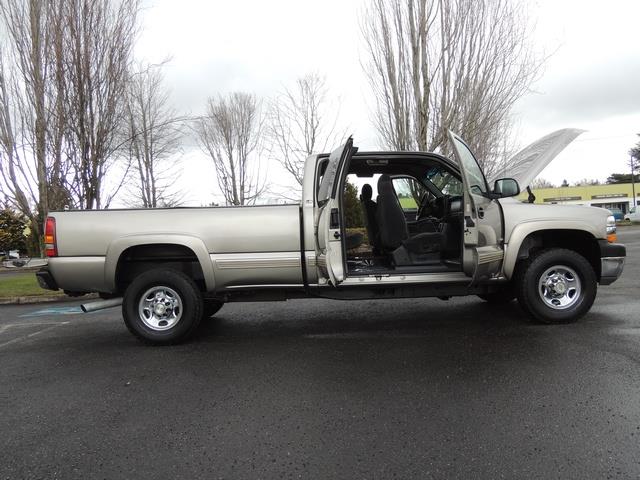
119 245
524 229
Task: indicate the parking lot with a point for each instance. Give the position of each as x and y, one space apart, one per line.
327 389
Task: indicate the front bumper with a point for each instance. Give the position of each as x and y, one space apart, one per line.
46 280
612 256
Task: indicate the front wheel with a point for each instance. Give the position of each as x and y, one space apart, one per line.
556 286
162 307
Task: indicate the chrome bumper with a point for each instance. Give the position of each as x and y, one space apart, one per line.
611 269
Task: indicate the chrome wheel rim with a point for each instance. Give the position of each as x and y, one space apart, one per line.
160 308
559 287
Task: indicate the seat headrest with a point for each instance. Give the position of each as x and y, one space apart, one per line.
385 185
367 192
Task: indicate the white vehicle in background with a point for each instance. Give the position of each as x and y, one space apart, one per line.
632 216
12 259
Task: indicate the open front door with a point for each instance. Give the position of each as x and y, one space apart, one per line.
328 218
483 230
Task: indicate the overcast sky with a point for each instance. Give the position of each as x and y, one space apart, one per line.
590 81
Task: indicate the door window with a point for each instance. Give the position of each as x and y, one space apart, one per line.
337 158
321 169
471 169
409 192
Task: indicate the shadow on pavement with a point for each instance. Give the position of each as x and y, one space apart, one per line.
369 318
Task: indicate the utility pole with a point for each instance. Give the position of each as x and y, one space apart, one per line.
633 182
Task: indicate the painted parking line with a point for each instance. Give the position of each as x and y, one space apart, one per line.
53 311
4 328
31 335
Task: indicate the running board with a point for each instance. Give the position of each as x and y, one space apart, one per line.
405 279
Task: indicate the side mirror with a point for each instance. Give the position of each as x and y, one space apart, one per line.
506 187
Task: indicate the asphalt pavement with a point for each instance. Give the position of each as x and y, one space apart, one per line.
326 389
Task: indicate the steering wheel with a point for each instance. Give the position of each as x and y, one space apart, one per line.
446 206
437 207
426 206
423 206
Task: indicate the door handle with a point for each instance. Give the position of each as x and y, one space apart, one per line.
480 212
336 235
334 220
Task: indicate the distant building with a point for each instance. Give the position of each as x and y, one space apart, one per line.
617 195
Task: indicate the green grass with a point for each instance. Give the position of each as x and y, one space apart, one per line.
21 285
408 202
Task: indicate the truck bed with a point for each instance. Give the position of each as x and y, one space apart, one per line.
233 246
269 228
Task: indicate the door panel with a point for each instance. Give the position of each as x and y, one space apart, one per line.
328 227
483 224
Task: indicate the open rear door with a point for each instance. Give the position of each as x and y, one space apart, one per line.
483 230
328 217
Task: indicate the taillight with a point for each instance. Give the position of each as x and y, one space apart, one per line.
50 246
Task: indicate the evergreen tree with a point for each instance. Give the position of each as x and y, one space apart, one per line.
352 209
12 228
622 178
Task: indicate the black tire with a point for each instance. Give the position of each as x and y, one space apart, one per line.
175 285
537 299
210 308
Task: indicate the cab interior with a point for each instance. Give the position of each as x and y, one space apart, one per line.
406 216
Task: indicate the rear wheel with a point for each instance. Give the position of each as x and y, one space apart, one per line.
162 307
557 286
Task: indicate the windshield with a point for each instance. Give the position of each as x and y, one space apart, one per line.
444 181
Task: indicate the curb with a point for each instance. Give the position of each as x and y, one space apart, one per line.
44 299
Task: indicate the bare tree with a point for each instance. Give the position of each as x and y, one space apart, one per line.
30 178
299 124
96 50
63 71
587 182
447 64
541 183
230 133
155 133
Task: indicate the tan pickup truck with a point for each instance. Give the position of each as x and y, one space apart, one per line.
169 268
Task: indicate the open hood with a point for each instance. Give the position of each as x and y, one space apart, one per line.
527 164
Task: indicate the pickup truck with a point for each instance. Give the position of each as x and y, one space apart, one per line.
171 268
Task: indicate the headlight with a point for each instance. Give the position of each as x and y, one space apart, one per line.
611 229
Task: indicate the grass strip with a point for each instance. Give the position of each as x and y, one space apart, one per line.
22 284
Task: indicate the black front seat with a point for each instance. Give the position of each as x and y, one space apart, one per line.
369 208
394 234
391 221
